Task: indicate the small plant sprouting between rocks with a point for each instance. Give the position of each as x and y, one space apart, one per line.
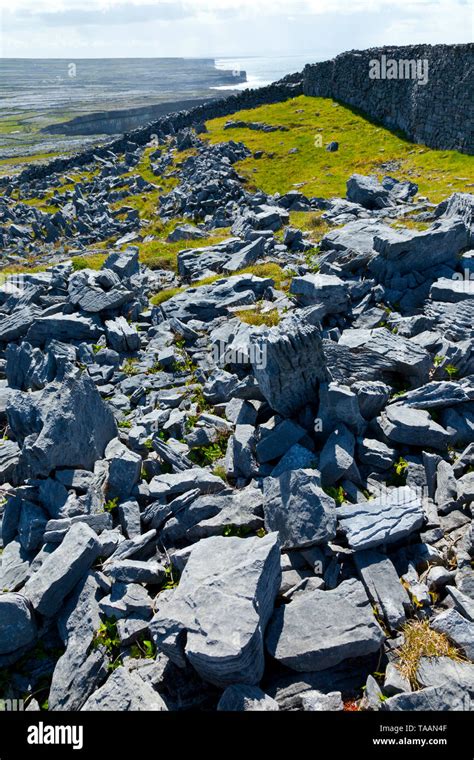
337 493
172 578
207 455
422 641
111 504
107 637
239 531
129 367
400 470
451 370
143 649
220 471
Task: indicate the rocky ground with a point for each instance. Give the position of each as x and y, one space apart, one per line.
251 492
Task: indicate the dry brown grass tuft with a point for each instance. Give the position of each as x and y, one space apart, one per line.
421 641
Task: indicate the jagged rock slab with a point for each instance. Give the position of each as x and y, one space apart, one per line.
297 508
432 699
241 509
292 366
125 691
16 325
68 328
15 566
413 427
368 192
9 459
403 251
325 289
383 520
453 320
216 617
65 425
210 301
279 440
61 570
177 483
403 355
121 336
353 244
383 586
83 666
337 456
463 603
320 629
94 292
457 628
436 395
441 671
244 698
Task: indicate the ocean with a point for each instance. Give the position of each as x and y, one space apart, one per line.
263 70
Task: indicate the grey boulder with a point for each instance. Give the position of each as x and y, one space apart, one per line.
245 698
216 617
61 570
383 586
17 624
392 516
413 427
297 508
319 629
124 691
457 628
65 425
290 367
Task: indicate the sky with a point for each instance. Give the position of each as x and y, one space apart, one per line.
218 28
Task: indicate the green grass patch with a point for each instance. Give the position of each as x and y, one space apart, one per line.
165 295
258 318
364 147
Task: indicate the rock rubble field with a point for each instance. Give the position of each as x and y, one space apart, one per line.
246 485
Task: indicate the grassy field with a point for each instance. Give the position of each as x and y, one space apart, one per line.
363 147
312 123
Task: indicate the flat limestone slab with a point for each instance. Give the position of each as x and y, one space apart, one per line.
320 629
383 520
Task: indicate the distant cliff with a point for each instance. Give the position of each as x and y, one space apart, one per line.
118 121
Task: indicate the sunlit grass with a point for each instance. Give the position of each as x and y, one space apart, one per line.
363 147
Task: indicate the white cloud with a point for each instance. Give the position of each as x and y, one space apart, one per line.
94 28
